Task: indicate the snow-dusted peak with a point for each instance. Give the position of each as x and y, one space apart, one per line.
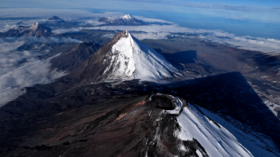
123 20
34 26
132 59
127 17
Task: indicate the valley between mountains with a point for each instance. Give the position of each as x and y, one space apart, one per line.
125 98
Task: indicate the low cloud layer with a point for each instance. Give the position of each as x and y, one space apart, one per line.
93 22
68 30
151 20
6 25
246 42
142 35
34 71
172 30
20 69
163 31
32 39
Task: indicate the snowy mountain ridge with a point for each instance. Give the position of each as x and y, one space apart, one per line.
123 20
132 59
128 16
219 137
36 30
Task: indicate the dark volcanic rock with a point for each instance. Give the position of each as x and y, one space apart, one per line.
164 102
114 126
55 18
56 22
268 62
70 60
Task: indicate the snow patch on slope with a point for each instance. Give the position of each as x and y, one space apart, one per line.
131 59
34 27
128 17
218 140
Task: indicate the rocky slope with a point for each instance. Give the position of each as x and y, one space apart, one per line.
82 114
70 60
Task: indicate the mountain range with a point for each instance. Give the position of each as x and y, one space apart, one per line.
36 30
126 99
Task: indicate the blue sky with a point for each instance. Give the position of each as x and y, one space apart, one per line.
268 10
119 3
260 3
242 17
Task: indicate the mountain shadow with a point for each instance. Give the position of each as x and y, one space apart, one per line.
70 60
182 56
231 95
42 108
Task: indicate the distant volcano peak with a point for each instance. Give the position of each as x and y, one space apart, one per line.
123 20
127 16
55 18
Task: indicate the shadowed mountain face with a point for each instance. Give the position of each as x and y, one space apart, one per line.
36 30
89 119
92 129
70 60
230 95
56 21
81 115
268 62
55 18
182 57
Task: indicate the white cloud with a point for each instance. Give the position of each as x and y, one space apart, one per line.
246 42
152 20
142 35
5 25
162 31
109 35
19 69
69 30
34 71
93 22
151 35
152 29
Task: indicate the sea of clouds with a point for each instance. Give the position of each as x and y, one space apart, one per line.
162 31
20 69
218 36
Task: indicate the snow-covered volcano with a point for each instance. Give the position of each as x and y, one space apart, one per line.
131 59
123 20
